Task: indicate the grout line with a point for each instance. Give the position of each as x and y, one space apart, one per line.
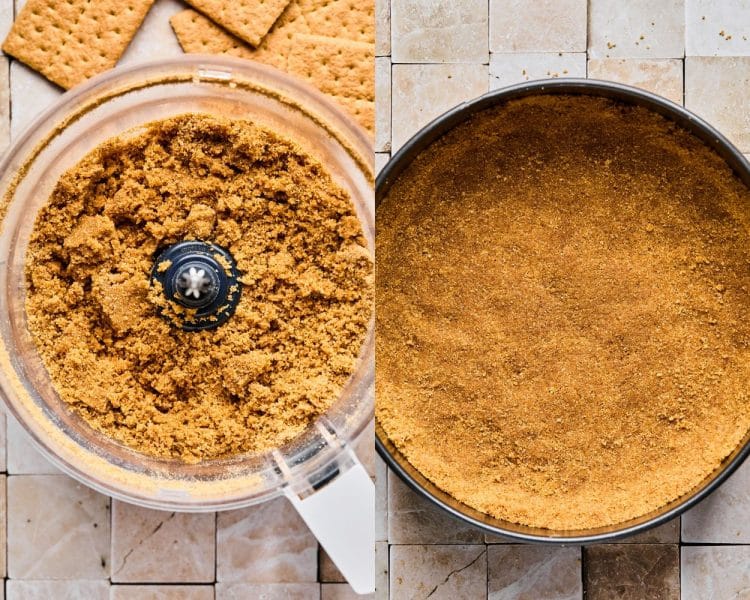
388 563
216 546
143 583
489 49
487 566
5 518
714 545
588 22
111 537
390 148
463 62
390 36
584 566
588 34
684 80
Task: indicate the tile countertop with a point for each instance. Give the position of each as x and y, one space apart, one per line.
434 54
67 542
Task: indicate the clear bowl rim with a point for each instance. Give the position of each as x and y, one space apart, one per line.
75 103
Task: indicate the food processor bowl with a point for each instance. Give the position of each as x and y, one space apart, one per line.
390 173
312 470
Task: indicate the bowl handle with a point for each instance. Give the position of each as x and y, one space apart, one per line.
341 515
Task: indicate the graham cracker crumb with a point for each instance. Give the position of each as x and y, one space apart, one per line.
69 41
247 386
563 327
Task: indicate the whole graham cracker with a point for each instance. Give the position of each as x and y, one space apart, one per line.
69 41
199 34
250 20
289 38
335 66
362 110
348 19
345 19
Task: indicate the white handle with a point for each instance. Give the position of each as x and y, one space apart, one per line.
342 516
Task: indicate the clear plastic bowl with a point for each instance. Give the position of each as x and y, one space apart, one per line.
83 118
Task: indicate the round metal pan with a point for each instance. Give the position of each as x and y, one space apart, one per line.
424 138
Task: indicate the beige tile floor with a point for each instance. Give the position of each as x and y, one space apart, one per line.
66 542
694 52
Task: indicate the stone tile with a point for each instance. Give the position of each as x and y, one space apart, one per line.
268 543
381 570
3 525
37 94
723 517
669 533
636 29
438 572
327 571
161 592
341 591
22 456
382 27
57 529
381 489
364 448
16 589
3 438
632 572
381 159
183 542
521 572
541 26
6 19
423 92
267 591
717 28
154 37
661 76
427 31
413 520
507 69
383 104
716 89
715 572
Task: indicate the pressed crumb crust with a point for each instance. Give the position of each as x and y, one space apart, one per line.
247 386
563 327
